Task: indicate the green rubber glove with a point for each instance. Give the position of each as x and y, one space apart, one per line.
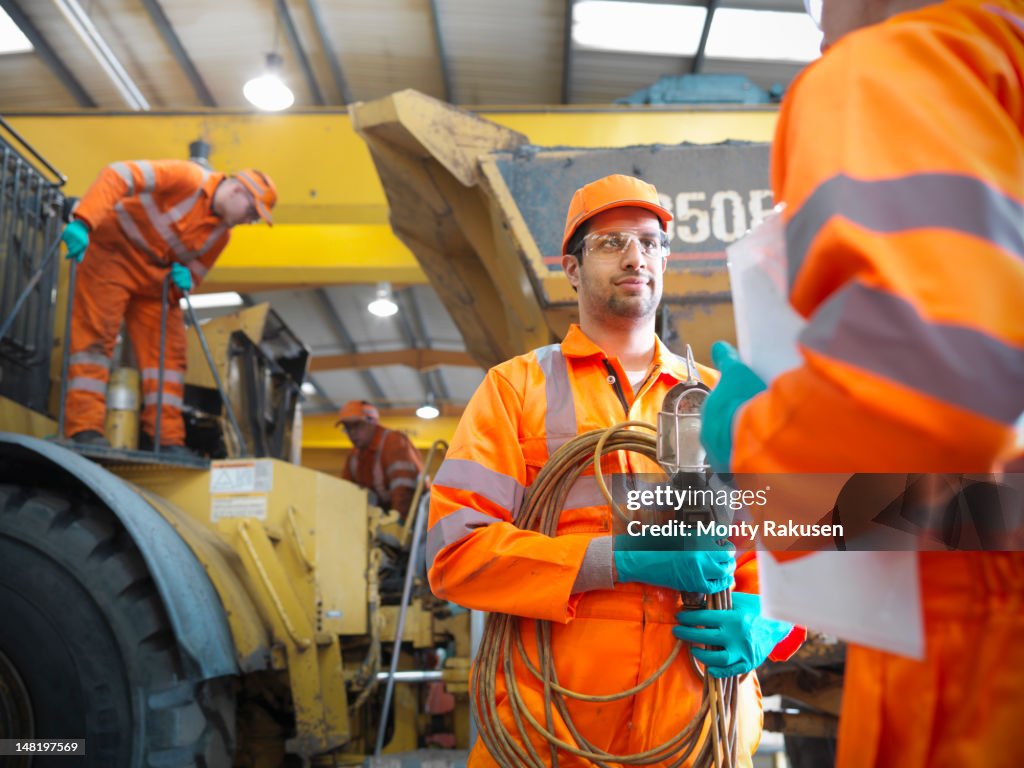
699 565
737 385
181 277
76 237
744 636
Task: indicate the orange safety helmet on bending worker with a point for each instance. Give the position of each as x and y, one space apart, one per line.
900 157
606 635
382 460
143 217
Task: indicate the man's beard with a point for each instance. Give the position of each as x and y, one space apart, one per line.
633 307
605 299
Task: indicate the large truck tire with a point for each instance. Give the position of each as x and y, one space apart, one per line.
86 649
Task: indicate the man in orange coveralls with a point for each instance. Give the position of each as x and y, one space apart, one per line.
382 460
613 610
900 156
139 221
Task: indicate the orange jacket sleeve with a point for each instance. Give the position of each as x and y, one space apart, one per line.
901 160
477 557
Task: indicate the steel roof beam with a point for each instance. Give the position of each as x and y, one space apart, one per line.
340 83
47 54
293 37
698 58
338 326
442 52
163 26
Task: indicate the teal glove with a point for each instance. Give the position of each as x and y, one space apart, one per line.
181 277
704 565
744 635
737 385
76 237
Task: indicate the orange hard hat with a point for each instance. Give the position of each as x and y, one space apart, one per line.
615 191
357 410
262 189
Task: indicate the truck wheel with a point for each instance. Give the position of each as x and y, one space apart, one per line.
86 650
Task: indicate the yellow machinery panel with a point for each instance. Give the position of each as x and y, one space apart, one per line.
316 523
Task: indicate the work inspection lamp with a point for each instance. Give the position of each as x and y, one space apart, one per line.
679 446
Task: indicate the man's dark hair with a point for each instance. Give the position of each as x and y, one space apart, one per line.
575 245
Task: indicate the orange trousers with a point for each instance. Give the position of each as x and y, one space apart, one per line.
115 283
963 706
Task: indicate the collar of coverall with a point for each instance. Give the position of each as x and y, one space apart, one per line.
577 344
209 186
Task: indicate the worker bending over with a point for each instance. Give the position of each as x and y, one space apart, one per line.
613 609
140 221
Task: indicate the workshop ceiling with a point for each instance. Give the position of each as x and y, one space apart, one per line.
184 55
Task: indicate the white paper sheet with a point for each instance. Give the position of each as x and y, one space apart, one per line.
766 325
868 598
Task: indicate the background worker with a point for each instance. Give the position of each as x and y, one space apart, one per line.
139 221
382 460
613 608
900 157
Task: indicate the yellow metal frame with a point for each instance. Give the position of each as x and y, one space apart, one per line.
331 221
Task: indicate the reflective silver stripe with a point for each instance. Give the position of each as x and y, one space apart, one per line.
148 175
122 170
131 230
85 384
403 466
243 175
89 358
181 210
586 493
596 571
469 475
884 334
172 401
352 464
153 374
560 416
215 235
402 482
1018 21
162 224
198 269
924 200
455 527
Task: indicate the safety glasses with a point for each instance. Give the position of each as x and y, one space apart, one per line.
609 245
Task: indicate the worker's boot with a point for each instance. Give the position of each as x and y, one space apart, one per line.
90 437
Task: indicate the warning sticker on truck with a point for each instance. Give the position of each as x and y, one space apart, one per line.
242 476
239 505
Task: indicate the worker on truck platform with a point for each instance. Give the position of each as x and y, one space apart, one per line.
382 460
613 607
138 222
900 157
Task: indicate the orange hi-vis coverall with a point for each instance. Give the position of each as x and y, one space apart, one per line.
900 157
142 215
605 637
389 466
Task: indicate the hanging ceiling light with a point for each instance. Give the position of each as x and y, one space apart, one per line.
268 91
428 410
384 305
